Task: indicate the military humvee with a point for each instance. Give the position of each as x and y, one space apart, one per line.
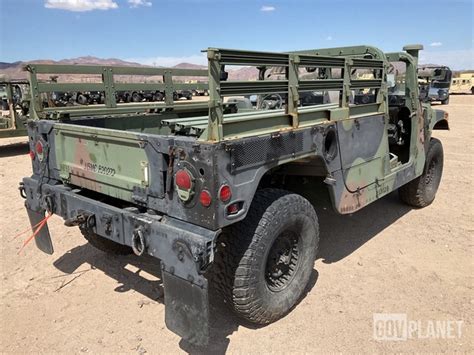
435 82
207 189
463 84
15 101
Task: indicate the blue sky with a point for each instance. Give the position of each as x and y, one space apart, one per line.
165 32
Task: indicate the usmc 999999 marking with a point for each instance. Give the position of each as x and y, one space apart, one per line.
100 169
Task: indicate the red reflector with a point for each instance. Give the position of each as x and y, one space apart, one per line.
205 198
183 179
39 147
32 155
225 193
233 209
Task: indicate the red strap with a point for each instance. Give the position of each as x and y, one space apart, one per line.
28 229
40 225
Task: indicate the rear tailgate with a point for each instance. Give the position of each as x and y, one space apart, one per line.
108 161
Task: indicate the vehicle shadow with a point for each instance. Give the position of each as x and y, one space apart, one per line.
115 266
14 149
340 236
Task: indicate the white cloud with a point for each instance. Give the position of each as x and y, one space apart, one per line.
81 5
171 61
436 44
457 60
137 3
267 8
329 38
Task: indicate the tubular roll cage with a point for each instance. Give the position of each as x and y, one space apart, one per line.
345 59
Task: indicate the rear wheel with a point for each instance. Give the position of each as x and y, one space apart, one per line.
264 262
421 191
106 245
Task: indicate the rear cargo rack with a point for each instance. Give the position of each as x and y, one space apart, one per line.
217 126
110 87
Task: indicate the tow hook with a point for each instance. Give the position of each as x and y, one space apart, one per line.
49 202
138 242
85 219
22 190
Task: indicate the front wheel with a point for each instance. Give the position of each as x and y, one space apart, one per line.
421 191
264 262
445 101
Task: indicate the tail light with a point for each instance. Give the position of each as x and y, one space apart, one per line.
39 150
183 179
205 198
225 193
32 155
184 184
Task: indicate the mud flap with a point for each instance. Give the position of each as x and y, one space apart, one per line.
43 238
187 308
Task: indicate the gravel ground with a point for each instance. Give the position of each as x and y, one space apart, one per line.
387 258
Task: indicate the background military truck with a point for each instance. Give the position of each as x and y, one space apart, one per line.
217 194
15 107
463 84
434 82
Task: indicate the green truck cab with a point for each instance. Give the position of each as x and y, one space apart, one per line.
207 187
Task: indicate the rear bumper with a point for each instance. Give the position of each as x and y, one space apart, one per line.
185 250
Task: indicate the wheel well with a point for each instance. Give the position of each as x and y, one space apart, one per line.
442 125
304 177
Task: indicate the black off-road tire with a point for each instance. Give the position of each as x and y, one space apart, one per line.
246 254
445 101
421 191
106 245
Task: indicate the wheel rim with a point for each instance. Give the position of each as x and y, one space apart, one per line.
282 261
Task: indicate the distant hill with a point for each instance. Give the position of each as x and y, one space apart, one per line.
189 66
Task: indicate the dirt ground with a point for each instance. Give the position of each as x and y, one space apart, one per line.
387 258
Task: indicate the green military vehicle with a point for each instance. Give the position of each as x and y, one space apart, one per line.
434 83
15 101
209 190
